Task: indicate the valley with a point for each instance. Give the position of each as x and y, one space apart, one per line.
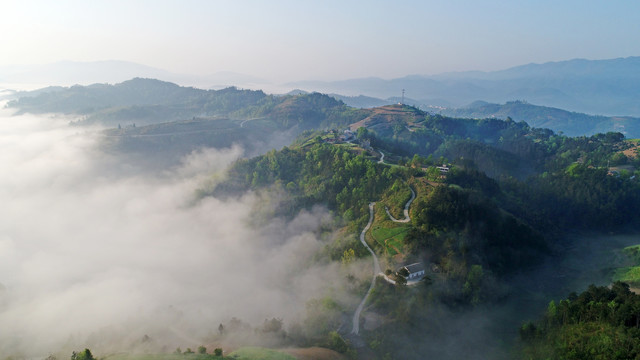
501 216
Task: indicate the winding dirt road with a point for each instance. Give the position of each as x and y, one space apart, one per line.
376 270
406 209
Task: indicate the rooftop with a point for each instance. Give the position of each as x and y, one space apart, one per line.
414 268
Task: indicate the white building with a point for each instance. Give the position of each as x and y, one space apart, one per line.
415 270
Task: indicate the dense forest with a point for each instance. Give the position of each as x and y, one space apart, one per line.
600 323
511 192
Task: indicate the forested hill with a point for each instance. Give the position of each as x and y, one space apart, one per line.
475 232
148 101
570 123
138 100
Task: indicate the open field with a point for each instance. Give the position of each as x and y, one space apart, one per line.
629 275
314 353
258 353
244 353
161 357
389 235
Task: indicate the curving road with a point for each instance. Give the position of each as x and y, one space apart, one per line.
381 161
406 209
244 121
376 271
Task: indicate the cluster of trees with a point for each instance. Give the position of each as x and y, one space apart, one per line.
202 350
318 173
579 197
460 228
313 111
600 323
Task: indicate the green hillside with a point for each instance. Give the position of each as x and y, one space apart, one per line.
568 122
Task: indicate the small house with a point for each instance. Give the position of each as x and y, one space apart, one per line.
415 270
444 169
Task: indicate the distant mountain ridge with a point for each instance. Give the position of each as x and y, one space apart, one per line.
591 86
570 123
607 87
148 101
139 100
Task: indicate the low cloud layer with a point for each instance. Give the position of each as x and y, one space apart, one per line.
93 253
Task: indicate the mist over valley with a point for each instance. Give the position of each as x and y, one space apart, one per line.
145 217
98 252
295 180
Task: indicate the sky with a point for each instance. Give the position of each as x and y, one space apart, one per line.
282 40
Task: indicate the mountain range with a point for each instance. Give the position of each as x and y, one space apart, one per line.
149 101
606 87
603 87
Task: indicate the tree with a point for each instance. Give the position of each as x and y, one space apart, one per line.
401 280
337 343
348 256
217 352
202 350
82 355
274 325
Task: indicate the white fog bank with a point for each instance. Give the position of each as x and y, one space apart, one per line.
91 255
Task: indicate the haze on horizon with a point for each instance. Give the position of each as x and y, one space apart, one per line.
282 41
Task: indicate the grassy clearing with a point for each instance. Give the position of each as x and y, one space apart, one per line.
389 235
633 252
245 353
629 275
258 353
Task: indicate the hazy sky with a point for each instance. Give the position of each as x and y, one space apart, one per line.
283 40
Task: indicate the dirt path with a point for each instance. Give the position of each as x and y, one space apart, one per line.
376 270
244 121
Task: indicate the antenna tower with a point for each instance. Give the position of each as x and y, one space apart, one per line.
402 102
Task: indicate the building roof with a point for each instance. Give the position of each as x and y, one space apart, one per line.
414 268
